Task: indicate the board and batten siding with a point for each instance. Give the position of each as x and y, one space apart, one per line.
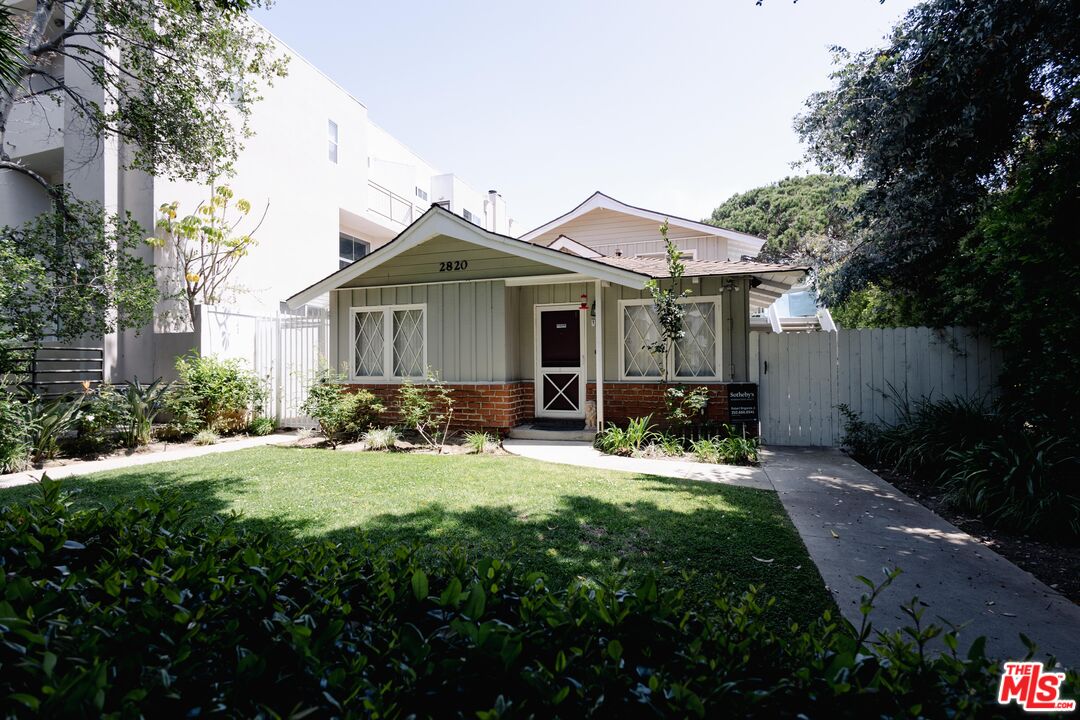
607 230
466 326
421 265
734 316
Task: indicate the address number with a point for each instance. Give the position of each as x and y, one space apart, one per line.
453 265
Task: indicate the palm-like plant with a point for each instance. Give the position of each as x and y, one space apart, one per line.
144 402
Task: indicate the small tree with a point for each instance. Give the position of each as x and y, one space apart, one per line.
669 312
205 247
427 409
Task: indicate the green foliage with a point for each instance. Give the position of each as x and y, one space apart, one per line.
615 440
380 438
205 248
72 273
261 426
142 404
427 409
670 444
14 443
731 449
480 442
206 437
792 214
685 406
101 617
342 414
214 394
47 422
104 415
669 312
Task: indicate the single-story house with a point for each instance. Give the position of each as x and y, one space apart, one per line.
523 331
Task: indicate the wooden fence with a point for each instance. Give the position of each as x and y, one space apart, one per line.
803 378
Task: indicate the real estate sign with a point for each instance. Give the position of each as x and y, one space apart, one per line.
742 402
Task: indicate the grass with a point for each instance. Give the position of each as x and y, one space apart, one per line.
564 521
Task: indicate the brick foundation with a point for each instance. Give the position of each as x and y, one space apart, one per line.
498 407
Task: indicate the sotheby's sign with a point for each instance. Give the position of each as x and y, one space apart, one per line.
742 402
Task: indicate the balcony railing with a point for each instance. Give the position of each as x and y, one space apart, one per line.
389 204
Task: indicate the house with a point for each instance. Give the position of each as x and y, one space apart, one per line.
524 331
602 225
334 186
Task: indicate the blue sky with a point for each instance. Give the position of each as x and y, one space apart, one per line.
670 105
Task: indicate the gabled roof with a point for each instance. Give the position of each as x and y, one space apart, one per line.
569 244
439 221
599 200
657 267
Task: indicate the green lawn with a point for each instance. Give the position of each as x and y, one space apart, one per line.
561 520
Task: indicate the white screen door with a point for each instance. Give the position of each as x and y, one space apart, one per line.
560 362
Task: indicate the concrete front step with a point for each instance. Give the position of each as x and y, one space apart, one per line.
529 432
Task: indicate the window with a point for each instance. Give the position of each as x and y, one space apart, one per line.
695 356
469 216
332 137
350 250
422 194
389 342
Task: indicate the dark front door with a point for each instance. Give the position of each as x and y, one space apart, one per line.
560 379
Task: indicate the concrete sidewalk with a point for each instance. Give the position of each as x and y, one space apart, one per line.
136 459
855 523
583 454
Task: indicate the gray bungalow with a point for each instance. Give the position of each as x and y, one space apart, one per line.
524 331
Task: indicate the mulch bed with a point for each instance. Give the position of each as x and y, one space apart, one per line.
1054 564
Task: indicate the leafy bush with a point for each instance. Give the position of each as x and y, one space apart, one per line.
380 438
341 413
99 425
1018 482
14 440
480 442
615 440
262 425
685 406
206 437
104 617
730 450
428 410
220 395
861 439
142 405
47 422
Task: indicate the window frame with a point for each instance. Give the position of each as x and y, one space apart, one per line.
668 366
353 239
388 342
332 138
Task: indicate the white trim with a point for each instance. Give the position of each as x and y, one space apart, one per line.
568 243
669 361
599 200
517 281
598 341
663 253
538 370
388 342
547 279
438 222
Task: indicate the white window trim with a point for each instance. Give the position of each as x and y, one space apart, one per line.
663 254
669 361
388 342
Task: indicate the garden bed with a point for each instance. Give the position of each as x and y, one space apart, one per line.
1054 564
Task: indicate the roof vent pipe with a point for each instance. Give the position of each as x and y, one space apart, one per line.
493 197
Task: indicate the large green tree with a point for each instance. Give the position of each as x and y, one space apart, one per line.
964 130
174 81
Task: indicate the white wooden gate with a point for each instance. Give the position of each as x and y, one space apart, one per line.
804 377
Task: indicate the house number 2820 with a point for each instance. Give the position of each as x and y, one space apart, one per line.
452 265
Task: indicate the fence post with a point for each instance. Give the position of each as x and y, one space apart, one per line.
279 375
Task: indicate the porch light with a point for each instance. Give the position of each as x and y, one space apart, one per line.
584 302
592 313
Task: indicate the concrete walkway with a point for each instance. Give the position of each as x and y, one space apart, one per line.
855 523
146 458
583 454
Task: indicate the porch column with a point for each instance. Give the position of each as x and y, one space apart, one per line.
599 300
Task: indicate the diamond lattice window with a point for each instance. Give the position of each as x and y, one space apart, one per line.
368 344
695 352
639 331
408 343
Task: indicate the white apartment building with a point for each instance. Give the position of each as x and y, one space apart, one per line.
334 186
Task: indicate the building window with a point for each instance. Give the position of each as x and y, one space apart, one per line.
350 250
696 356
389 342
332 138
469 216
422 194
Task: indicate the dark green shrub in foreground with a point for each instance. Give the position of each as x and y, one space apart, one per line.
216 394
149 610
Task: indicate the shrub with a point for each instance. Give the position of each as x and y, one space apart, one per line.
730 450
380 438
215 394
206 437
47 422
686 406
342 415
669 444
14 436
262 425
103 617
142 405
615 440
480 442
99 425
1018 482
428 410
